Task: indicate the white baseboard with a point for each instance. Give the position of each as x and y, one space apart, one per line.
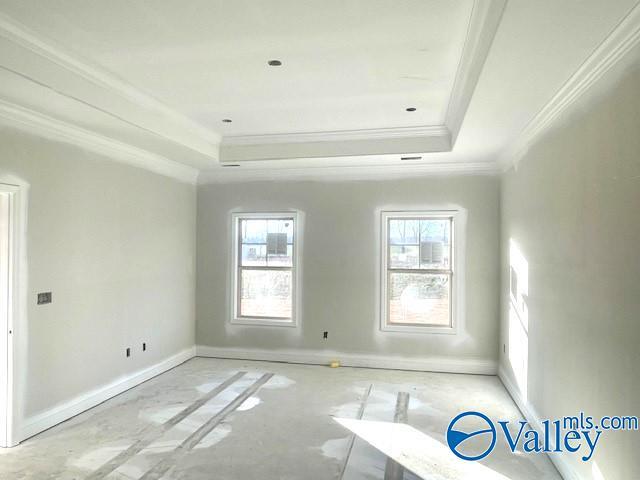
47 419
324 357
558 459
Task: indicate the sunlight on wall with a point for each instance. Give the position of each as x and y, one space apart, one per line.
518 316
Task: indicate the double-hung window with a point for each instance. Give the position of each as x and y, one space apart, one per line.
417 271
264 272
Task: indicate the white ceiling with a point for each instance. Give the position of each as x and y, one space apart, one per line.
347 65
160 76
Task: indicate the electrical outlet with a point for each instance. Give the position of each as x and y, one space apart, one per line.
325 335
504 348
128 352
44 298
144 347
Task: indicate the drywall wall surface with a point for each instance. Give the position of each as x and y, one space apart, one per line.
340 264
570 231
116 247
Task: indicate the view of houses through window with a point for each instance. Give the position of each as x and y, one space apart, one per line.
417 280
418 270
265 266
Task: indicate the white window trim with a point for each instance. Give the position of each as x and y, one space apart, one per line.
456 243
264 321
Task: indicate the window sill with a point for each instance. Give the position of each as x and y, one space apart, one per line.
263 322
430 329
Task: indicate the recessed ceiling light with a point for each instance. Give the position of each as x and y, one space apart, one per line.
226 120
411 109
274 63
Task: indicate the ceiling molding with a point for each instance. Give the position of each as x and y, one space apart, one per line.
347 173
207 140
335 144
483 25
383 145
58 130
620 41
336 136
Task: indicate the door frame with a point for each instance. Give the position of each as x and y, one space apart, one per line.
9 324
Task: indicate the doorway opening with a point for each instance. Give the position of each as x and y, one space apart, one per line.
7 291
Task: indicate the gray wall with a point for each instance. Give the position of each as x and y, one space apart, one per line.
339 264
573 207
116 246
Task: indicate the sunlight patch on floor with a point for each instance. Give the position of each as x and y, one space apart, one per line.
418 452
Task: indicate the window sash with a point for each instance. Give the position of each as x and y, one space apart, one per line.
388 321
432 271
240 268
239 293
418 244
389 270
240 243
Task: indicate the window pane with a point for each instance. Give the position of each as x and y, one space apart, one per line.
403 232
282 260
419 299
280 242
282 226
254 231
435 243
254 255
265 293
404 256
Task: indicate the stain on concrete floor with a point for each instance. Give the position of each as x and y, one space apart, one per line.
283 429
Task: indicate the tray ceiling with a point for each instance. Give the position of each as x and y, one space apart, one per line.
163 76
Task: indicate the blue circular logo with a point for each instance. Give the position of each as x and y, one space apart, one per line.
457 437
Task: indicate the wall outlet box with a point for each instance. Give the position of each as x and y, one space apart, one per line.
44 297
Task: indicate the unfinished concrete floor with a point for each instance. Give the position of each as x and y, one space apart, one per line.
206 419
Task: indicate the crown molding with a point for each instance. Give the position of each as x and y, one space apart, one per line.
336 136
341 144
620 41
347 173
483 24
202 140
58 130
335 144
